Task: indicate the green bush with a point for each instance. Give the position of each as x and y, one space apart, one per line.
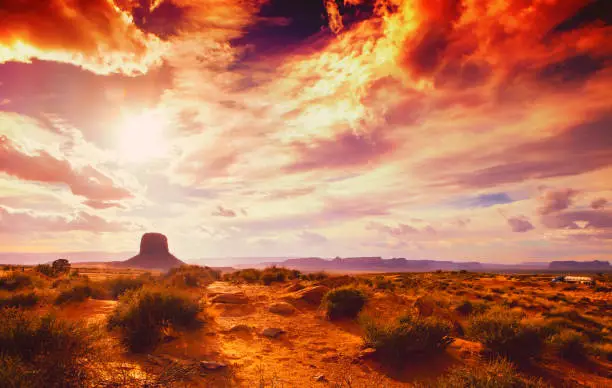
43 351
506 333
344 302
570 345
495 374
15 281
142 314
23 300
410 335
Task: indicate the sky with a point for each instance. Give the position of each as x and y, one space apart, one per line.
425 129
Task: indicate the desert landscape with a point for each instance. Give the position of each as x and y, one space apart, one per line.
191 326
305 193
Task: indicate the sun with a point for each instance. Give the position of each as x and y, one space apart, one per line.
142 138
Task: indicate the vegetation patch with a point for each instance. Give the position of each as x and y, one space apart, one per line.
408 336
344 302
190 276
143 314
23 300
499 373
570 345
506 333
43 351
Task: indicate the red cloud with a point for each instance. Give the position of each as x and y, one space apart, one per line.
44 167
93 34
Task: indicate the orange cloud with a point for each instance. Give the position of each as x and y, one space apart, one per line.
95 34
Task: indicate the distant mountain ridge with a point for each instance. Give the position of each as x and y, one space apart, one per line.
378 264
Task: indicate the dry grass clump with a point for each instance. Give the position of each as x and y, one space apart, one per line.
570 345
16 281
80 291
23 299
343 302
119 285
267 276
143 314
507 333
498 373
408 336
190 276
43 351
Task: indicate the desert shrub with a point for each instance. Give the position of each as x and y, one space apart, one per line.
498 373
465 307
380 283
278 274
118 286
142 314
344 302
602 289
270 277
314 276
79 292
506 333
23 300
570 345
15 281
45 269
60 266
191 276
408 336
43 351
249 275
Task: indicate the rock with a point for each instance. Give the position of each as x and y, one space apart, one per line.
425 305
153 243
282 308
212 365
312 295
320 378
294 287
154 254
365 354
272 332
231 298
240 328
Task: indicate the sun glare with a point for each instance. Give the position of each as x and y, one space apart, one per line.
142 138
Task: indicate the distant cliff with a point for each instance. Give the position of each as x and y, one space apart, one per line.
377 264
595 265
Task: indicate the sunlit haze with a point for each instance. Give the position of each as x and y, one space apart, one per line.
447 130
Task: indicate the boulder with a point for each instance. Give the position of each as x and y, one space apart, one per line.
312 295
240 328
272 332
231 298
281 308
294 287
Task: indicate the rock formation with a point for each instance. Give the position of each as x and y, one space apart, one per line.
154 254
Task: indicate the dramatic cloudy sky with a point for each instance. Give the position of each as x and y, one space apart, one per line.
441 129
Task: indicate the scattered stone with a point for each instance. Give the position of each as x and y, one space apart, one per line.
212 365
312 295
365 354
231 298
272 332
282 308
241 327
320 378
